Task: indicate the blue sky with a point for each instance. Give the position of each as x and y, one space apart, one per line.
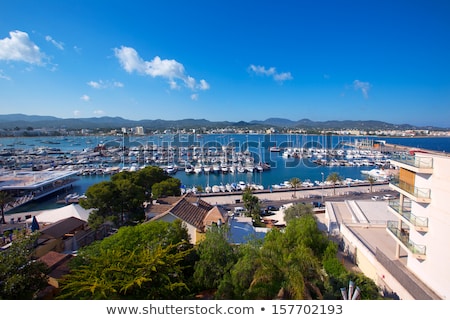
227 60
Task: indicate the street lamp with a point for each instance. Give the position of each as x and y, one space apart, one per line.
322 186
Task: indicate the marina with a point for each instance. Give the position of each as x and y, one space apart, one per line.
63 166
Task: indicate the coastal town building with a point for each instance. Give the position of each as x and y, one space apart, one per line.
197 215
422 223
26 186
401 243
139 131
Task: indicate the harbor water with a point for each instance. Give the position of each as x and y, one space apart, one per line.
313 168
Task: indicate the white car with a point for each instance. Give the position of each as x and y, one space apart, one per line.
388 197
376 198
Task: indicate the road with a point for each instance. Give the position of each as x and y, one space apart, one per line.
277 198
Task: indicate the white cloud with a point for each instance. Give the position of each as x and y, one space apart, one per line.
194 96
85 97
95 84
19 47
204 85
76 113
270 72
3 75
171 70
99 112
57 44
363 86
104 84
282 76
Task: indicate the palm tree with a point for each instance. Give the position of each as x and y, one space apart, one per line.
371 180
334 178
295 183
5 198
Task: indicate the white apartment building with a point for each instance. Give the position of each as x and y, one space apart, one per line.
139 131
422 212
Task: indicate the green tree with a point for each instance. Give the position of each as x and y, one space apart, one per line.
147 261
296 211
284 266
236 284
21 276
288 270
304 232
295 183
130 200
334 178
5 198
121 200
148 176
139 274
103 198
169 187
216 257
252 205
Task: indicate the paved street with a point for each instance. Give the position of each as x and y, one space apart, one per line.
280 197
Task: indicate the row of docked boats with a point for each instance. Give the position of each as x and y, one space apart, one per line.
338 157
221 167
221 188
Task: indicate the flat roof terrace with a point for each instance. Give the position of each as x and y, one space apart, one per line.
39 183
366 220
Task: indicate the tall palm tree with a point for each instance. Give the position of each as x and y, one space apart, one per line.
334 178
5 198
371 181
295 183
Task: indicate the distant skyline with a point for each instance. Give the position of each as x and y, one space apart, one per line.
228 60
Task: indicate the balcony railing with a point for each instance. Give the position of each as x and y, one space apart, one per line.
418 162
421 194
419 223
418 250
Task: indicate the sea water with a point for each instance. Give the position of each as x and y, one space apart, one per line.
258 145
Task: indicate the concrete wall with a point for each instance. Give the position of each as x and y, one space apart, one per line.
370 266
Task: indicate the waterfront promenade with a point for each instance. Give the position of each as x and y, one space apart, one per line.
300 195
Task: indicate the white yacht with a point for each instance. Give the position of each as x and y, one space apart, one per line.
198 168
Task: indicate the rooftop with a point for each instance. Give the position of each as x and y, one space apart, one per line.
31 179
366 220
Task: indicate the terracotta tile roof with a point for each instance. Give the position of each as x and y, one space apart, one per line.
194 211
60 228
52 259
158 208
168 200
190 213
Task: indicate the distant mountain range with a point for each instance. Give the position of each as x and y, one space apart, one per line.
22 121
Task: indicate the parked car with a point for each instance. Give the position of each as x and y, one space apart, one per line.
388 197
376 198
316 204
266 213
239 211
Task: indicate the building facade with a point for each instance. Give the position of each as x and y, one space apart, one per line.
422 224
